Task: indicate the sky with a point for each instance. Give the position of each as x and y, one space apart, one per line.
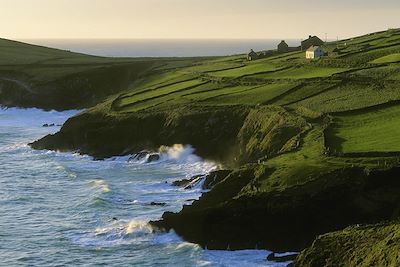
207 19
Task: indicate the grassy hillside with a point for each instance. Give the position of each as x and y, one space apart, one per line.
375 245
313 145
35 76
375 130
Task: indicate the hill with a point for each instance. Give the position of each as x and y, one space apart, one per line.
36 76
312 146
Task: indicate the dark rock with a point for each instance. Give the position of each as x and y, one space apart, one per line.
48 125
214 178
188 183
106 136
210 180
139 156
286 258
162 204
181 183
153 157
287 220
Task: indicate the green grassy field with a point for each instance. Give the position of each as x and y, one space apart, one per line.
251 96
351 96
303 72
388 59
371 131
249 69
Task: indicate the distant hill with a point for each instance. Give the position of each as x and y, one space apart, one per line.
36 76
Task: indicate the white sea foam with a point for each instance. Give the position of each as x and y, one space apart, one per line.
166 238
179 153
101 184
116 233
125 228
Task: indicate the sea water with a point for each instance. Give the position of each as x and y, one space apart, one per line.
64 209
162 47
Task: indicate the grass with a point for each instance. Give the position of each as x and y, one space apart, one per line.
298 167
156 93
365 245
351 97
303 72
373 131
48 73
250 69
251 95
209 92
306 90
214 66
387 59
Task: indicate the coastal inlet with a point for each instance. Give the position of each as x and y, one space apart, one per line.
65 209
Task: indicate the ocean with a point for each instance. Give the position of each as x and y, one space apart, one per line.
65 209
161 47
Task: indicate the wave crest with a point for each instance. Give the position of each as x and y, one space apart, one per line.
177 153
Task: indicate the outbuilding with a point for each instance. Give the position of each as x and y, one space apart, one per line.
252 55
283 47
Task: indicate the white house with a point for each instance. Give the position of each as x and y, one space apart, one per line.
314 52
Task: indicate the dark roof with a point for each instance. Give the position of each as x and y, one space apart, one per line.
251 53
313 38
283 43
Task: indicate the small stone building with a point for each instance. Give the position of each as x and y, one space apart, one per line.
314 52
252 55
283 47
311 41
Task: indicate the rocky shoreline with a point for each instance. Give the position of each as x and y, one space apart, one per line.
237 213
289 220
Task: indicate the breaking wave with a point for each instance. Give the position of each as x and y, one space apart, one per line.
118 232
177 153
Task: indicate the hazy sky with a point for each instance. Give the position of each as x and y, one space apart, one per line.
194 18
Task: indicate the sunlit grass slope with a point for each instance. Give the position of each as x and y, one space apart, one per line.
370 131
